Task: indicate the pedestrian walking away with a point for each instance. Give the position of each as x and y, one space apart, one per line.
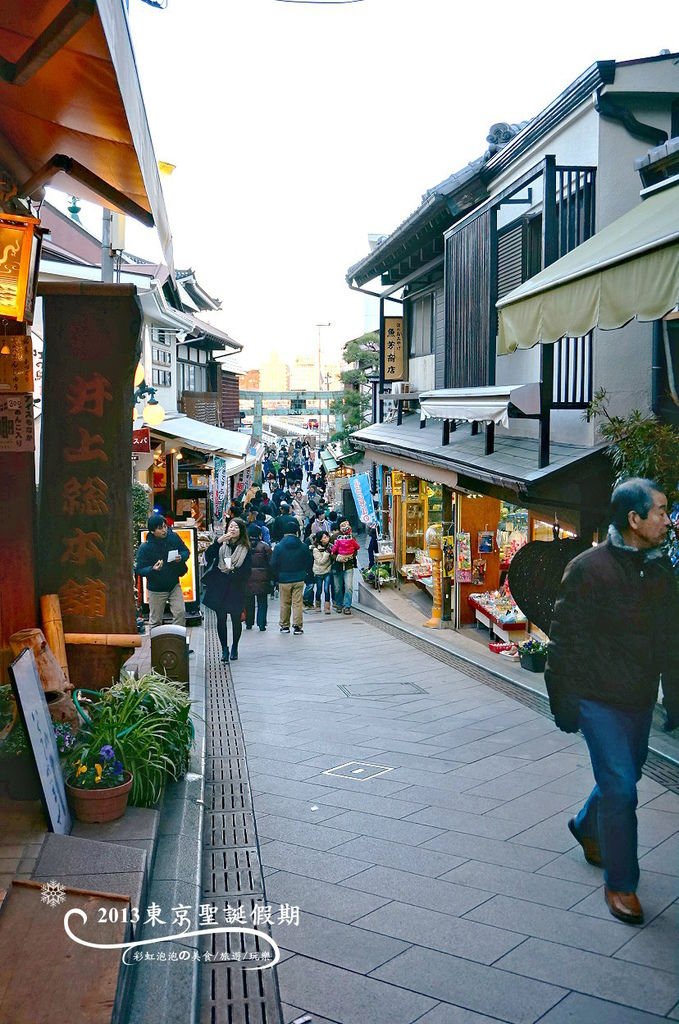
162 559
258 586
613 635
344 551
229 564
290 563
322 569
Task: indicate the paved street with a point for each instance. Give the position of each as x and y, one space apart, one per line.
447 889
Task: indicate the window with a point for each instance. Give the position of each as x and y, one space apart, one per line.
161 336
161 355
192 377
422 312
161 378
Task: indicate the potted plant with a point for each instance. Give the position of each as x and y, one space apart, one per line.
98 787
533 655
17 767
148 722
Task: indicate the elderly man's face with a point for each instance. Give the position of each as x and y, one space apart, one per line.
651 532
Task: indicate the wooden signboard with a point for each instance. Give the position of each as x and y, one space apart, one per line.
92 345
30 698
394 350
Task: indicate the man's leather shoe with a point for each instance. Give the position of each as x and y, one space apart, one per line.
589 846
624 905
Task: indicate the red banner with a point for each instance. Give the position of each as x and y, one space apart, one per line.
141 441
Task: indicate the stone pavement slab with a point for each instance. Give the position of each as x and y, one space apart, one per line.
456 867
508 997
594 975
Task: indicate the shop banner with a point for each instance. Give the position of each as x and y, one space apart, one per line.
464 558
141 441
448 545
363 499
92 347
394 351
220 496
16 423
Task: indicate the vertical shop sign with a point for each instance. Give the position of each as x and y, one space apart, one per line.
16 363
16 423
221 488
394 355
464 558
92 345
363 499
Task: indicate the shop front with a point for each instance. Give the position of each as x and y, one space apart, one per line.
455 523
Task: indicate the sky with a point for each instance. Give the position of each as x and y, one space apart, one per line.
298 129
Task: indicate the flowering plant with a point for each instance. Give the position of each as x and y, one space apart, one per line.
533 646
65 737
102 771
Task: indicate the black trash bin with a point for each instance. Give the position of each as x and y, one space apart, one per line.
170 652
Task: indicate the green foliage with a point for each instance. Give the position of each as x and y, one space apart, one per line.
364 352
640 445
15 743
148 723
141 509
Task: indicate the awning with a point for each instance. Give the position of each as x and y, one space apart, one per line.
480 405
71 108
628 269
204 436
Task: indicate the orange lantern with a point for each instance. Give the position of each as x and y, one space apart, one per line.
20 242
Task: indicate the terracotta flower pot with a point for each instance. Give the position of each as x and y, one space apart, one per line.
99 805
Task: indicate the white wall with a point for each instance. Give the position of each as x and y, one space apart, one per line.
421 373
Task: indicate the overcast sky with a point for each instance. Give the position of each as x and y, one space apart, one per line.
298 129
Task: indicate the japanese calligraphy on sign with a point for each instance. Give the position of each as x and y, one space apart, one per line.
394 354
16 365
85 466
16 423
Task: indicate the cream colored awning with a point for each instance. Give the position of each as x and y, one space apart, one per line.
628 269
480 405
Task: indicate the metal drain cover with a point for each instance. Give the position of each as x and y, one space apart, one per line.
358 770
391 688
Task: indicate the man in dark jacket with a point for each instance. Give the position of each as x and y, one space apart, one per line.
291 562
259 581
283 523
613 635
162 560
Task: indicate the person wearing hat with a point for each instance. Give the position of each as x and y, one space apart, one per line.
290 565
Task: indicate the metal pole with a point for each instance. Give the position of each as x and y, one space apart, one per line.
106 254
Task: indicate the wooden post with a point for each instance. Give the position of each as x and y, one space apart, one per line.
50 613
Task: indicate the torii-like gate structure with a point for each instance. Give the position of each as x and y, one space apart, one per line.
297 405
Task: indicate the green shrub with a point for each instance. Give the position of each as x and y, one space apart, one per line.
148 723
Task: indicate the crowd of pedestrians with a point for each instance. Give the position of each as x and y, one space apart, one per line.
280 537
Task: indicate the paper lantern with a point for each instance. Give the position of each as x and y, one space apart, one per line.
20 242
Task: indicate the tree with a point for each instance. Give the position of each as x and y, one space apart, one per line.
640 445
363 356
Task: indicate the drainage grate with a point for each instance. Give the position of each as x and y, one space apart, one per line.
232 872
231 866
659 768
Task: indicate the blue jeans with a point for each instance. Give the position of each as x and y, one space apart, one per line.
343 586
617 740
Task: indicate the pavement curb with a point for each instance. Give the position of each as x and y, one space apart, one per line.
164 994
